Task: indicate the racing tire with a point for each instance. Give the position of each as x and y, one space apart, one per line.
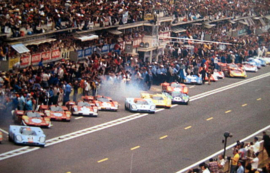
187 103
42 146
9 139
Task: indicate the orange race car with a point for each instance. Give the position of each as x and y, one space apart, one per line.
174 86
105 103
56 112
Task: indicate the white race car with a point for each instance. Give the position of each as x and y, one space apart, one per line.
140 105
249 67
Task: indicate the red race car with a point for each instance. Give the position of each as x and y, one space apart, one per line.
33 118
105 103
56 112
174 86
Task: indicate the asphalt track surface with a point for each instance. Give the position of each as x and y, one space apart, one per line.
167 141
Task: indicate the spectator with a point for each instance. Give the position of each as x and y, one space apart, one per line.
240 168
256 148
221 163
234 161
266 143
67 91
204 168
213 166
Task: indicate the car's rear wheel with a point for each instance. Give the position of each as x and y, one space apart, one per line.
9 138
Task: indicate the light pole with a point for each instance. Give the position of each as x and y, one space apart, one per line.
226 135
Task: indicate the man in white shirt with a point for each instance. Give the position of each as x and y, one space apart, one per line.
256 148
204 168
255 162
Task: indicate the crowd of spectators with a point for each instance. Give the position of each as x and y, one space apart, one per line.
247 157
19 18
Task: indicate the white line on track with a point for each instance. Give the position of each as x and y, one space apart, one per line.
4 131
125 119
221 151
78 118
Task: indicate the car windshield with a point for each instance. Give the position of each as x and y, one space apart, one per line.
33 114
83 104
176 85
141 102
176 93
102 99
157 98
233 66
27 131
56 108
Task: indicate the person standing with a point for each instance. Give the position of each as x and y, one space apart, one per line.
256 148
204 168
240 167
221 163
75 87
266 143
234 161
203 73
67 92
213 166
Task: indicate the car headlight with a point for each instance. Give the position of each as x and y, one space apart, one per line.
152 107
133 106
68 114
18 138
42 139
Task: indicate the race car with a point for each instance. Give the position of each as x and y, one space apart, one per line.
174 86
266 58
232 70
140 105
213 78
26 135
260 59
84 108
1 137
249 67
89 99
178 97
18 114
160 100
193 79
105 103
255 62
33 118
219 74
56 112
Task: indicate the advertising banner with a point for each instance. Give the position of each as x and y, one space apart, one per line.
105 48
112 47
80 53
25 60
46 55
12 61
35 58
88 51
56 54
